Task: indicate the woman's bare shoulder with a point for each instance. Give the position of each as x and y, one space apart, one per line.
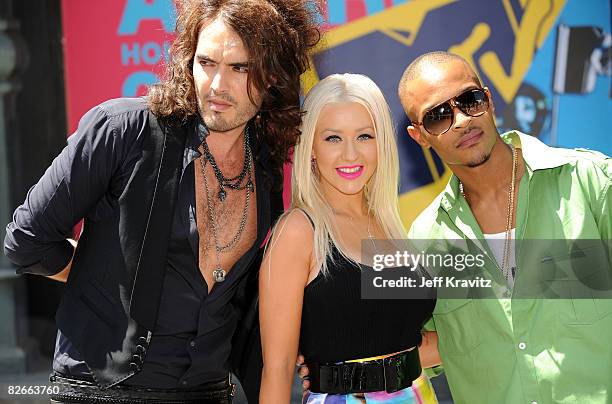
294 226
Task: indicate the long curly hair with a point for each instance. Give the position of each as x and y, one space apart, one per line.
278 34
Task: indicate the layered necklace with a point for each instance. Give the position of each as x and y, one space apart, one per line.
505 266
243 181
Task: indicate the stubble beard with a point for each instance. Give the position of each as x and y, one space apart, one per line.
479 161
482 158
216 122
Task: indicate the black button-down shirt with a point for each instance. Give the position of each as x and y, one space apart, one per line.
191 342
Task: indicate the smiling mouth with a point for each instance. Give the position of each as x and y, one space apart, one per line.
350 172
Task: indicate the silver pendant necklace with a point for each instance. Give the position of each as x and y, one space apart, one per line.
235 182
219 273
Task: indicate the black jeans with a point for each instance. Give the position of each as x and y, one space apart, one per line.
73 391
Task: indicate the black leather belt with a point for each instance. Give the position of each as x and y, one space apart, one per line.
390 374
78 391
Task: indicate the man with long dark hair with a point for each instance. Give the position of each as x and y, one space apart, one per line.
177 190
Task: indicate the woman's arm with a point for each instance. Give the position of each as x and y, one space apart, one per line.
428 351
63 275
282 278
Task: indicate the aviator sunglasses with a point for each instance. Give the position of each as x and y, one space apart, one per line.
440 119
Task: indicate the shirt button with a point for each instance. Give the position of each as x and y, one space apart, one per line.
192 344
184 382
522 346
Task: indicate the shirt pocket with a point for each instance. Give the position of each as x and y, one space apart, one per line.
456 321
583 278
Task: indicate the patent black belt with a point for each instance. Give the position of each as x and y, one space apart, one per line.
78 391
390 374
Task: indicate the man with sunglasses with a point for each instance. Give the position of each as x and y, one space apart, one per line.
508 193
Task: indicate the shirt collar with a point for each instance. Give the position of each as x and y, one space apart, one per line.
536 154
198 132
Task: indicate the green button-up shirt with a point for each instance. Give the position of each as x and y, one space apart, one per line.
513 350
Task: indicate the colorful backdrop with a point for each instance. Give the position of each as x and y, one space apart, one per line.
547 62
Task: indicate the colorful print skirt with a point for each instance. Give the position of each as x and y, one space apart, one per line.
421 392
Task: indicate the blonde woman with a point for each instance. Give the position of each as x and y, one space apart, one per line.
344 190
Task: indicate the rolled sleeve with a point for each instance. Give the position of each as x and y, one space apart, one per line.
36 239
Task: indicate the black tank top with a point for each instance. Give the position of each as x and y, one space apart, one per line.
337 325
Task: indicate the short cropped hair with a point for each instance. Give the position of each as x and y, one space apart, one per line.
418 65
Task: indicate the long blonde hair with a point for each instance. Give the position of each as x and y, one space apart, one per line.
381 191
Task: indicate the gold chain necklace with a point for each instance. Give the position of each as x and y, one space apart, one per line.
505 267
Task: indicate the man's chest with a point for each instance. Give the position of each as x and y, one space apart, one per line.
226 220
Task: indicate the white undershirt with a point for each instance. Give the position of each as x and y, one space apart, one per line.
496 244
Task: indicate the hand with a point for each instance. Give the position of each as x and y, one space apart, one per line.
428 351
303 373
62 276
